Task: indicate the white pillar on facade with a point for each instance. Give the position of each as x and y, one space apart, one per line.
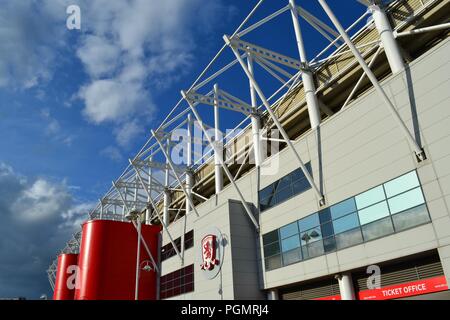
189 175
218 136
273 295
166 205
346 286
147 211
307 76
255 118
387 37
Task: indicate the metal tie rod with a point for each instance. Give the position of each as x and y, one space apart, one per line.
418 150
276 121
422 30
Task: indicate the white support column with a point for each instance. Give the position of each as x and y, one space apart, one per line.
307 76
387 37
138 257
150 175
166 212
124 211
273 295
255 118
346 286
101 209
135 192
420 154
217 134
189 176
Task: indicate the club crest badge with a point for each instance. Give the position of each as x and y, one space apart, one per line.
209 248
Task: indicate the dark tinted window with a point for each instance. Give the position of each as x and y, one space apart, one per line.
270 237
168 251
177 282
283 189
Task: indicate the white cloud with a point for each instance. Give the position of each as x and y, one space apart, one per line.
29 43
127 132
111 100
99 56
41 201
131 49
112 153
38 216
34 201
76 215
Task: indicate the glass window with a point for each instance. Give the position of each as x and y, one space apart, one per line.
401 184
406 200
312 250
270 237
297 174
271 249
373 213
273 200
308 167
372 196
273 262
309 222
327 229
178 282
189 239
377 229
300 185
288 230
345 223
410 218
348 238
266 192
311 235
325 215
284 194
329 244
284 182
343 208
264 204
283 189
290 243
292 256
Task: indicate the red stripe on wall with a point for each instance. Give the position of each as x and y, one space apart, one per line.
336 297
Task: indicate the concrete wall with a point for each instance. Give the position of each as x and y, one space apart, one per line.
360 147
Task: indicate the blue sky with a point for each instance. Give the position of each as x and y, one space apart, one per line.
75 105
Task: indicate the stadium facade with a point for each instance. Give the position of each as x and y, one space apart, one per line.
337 187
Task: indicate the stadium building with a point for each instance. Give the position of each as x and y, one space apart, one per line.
335 186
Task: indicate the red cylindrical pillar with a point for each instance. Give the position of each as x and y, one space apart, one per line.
66 274
107 263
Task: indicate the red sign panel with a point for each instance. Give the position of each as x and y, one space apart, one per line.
336 297
405 289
